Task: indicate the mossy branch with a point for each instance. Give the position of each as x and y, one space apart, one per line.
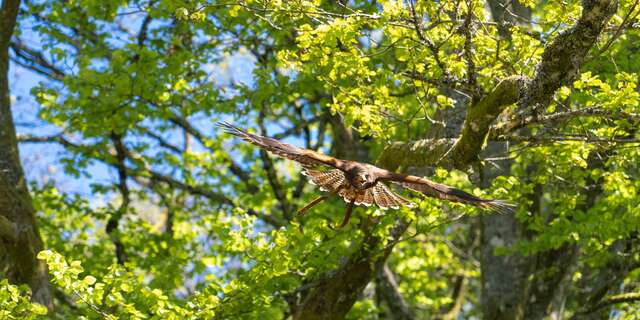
7 233
414 153
479 119
456 153
563 57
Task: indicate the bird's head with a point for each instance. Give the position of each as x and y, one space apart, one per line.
363 179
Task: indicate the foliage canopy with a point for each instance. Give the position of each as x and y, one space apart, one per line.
192 224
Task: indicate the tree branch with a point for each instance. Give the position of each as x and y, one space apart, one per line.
114 219
456 153
557 138
34 60
142 174
479 119
472 76
148 177
595 111
204 141
560 61
414 153
161 141
195 190
59 138
303 123
617 299
458 297
563 57
7 231
333 296
387 288
417 23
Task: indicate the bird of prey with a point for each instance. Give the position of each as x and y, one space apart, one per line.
358 183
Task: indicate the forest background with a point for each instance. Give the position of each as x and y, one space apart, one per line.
119 198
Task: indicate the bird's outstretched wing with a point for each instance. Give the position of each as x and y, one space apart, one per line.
306 157
444 192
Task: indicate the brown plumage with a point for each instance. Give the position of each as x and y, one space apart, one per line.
362 184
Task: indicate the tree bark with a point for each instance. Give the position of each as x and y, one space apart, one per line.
563 57
506 293
388 291
334 295
20 241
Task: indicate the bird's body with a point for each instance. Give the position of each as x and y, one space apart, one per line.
362 183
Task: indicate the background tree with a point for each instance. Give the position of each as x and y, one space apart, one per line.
532 102
19 237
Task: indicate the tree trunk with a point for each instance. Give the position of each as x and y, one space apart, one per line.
20 241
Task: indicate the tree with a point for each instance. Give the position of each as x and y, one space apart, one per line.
19 237
532 102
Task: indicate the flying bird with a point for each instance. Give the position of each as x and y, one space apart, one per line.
361 184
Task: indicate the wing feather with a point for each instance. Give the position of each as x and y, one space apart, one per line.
391 200
359 199
380 196
367 198
306 157
329 181
444 192
398 198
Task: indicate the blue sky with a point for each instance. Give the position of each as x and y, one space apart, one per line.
41 160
